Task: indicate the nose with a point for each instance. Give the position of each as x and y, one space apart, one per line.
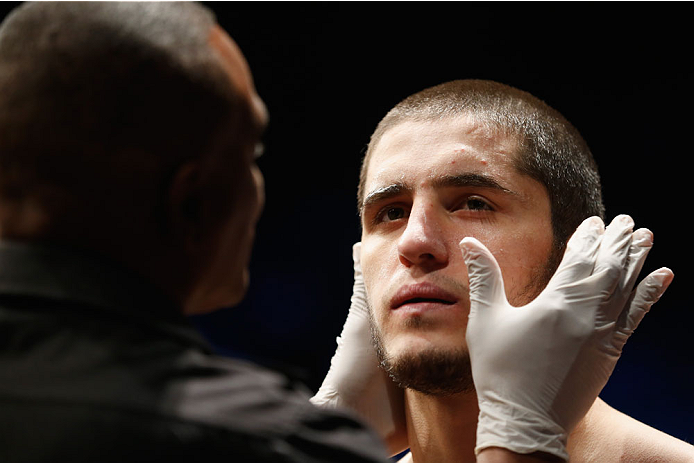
422 243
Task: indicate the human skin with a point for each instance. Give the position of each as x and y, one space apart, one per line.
195 229
226 242
412 224
429 185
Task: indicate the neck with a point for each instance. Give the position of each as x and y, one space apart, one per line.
441 429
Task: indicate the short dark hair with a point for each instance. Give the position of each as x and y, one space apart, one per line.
89 87
551 150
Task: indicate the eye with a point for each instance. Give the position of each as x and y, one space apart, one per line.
391 213
475 203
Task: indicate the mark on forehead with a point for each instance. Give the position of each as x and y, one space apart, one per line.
458 151
483 162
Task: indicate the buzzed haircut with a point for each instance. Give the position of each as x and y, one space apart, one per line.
550 149
91 89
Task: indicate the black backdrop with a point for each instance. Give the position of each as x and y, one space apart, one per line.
328 71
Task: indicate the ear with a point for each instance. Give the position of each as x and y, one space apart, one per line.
184 204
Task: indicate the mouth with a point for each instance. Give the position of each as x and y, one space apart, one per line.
421 293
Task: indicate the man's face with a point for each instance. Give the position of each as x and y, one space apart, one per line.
235 186
429 185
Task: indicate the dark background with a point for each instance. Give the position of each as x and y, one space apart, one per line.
328 72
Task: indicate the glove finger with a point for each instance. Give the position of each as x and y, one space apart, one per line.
486 284
614 249
581 251
641 244
646 294
610 268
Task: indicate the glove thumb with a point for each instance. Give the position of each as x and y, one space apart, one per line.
484 275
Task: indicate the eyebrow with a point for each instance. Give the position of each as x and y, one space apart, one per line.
384 193
468 179
471 179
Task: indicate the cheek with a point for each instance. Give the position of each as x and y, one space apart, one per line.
519 245
368 266
373 262
523 265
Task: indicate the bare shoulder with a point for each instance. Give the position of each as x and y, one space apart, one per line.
608 435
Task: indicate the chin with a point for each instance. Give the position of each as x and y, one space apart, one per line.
432 371
426 363
222 296
234 296
232 291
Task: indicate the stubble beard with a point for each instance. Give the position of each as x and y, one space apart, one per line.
435 371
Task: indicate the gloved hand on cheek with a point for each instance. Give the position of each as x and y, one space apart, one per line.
538 368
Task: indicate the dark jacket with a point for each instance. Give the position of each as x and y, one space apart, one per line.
95 365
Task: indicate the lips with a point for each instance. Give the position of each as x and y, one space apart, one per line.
421 293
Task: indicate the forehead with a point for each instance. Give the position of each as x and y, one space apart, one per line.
421 151
236 67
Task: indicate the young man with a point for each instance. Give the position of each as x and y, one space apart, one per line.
484 160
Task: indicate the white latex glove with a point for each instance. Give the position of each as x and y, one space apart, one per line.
355 381
538 368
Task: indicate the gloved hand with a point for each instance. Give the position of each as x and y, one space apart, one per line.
355 380
538 368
